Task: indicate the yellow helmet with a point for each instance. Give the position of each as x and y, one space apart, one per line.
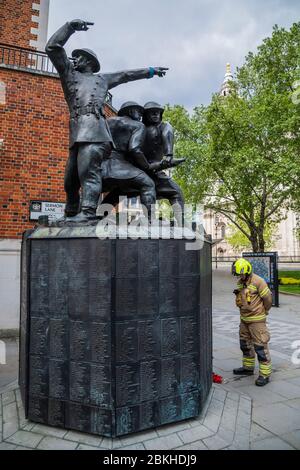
241 266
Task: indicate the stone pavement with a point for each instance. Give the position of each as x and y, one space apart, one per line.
224 424
238 415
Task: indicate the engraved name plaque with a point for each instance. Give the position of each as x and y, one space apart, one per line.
115 333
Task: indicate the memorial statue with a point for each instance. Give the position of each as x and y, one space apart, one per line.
90 138
125 172
159 143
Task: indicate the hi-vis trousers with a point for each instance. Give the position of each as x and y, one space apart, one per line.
254 339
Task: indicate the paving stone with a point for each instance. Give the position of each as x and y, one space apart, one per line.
259 397
49 430
236 445
293 438
226 434
229 420
295 403
243 431
10 420
198 445
241 441
277 418
108 443
286 389
214 414
84 447
243 420
295 380
83 438
195 434
138 446
7 446
212 422
258 433
216 442
8 397
203 413
245 405
219 394
21 415
233 396
271 443
216 406
170 429
25 438
22 448
197 422
10 412
139 437
9 429
18 395
164 443
54 443
231 406
290 373
28 427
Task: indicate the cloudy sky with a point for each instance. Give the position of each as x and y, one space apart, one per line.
194 38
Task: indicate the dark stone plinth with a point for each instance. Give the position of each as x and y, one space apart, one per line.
115 334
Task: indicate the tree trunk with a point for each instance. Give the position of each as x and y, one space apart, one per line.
261 241
254 242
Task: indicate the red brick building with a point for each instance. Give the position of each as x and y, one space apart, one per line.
33 135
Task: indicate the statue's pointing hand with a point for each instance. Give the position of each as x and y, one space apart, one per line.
160 71
80 25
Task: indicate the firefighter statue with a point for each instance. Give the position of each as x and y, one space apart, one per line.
85 90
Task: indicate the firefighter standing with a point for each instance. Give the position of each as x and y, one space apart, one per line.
254 299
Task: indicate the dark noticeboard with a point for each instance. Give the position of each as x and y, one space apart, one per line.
265 265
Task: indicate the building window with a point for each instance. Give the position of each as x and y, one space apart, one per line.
223 231
2 93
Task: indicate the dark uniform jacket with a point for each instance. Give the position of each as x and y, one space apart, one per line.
159 141
127 159
85 93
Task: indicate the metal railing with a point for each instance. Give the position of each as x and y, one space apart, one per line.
29 60
22 58
231 259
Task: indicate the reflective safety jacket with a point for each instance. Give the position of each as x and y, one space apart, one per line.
254 299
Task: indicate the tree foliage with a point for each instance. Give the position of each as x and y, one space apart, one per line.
243 150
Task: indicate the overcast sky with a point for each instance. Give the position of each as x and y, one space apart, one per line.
194 38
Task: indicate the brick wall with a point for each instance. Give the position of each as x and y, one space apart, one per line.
16 22
34 127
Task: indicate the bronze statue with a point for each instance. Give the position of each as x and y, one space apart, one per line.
90 138
124 173
159 144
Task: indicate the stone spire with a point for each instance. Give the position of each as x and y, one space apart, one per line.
225 89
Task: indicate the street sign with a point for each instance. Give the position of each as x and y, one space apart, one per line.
265 265
54 210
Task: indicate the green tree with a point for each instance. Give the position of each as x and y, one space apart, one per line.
240 242
243 150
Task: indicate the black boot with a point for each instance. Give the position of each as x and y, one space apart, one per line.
243 371
261 381
84 216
